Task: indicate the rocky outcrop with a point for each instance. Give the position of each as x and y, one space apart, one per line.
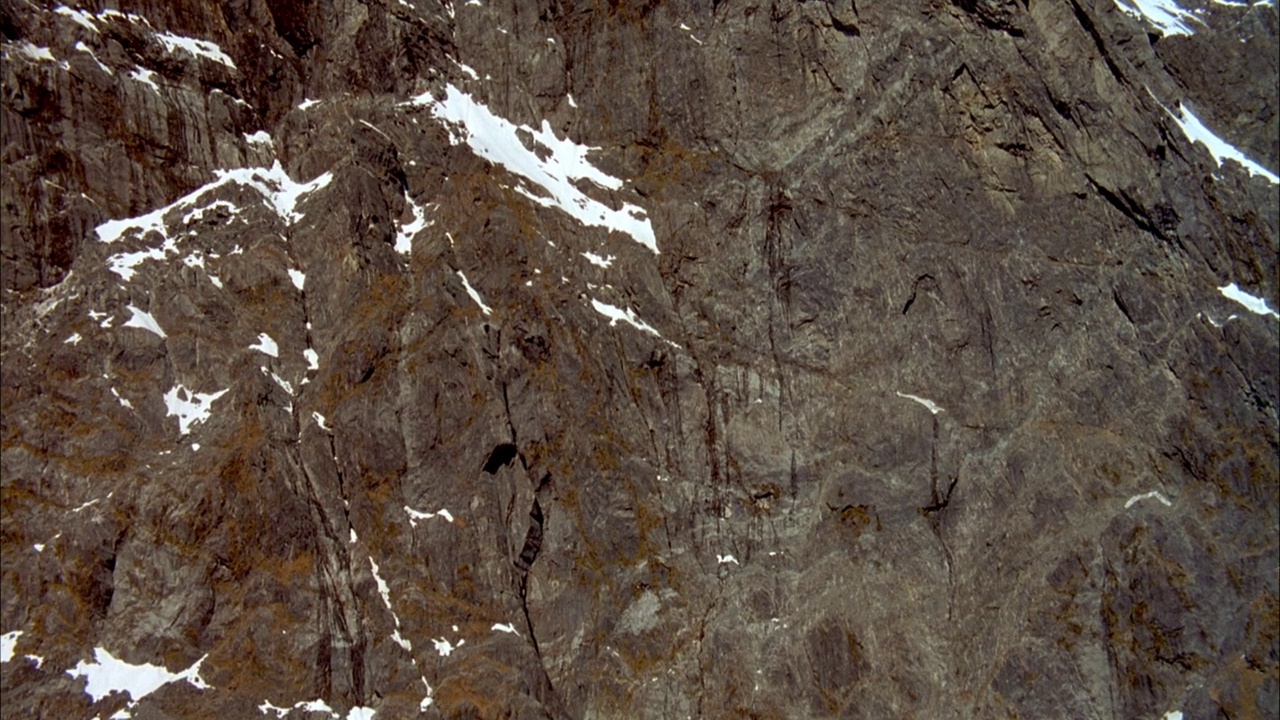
575 359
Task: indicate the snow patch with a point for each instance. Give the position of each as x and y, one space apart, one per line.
1165 15
123 402
1220 149
86 49
404 236
144 76
73 339
281 382
931 405
313 359
505 627
725 559
595 259
628 316
1144 496
191 408
33 52
321 422
383 590
308 104
108 675
1254 304
266 345
416 515
499 141
259 138
79 17
197 48
8 643
298 278
474 295
144 320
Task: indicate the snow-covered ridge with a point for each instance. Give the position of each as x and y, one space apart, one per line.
1166 15
1220 149
499 141
275 185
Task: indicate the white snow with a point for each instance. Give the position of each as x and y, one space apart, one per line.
321 421
399 639
1172 715
723 559
569 97
193 260
108 674
505 627
281 382
144 320
595 259
404 236
275 185
383 590
73 339
80 17
144 76
198 213
191 408
416 515
197 48
85 506
360 713
281 192
37 659
499 141
316 705
1220 149
266 345
307 104
444 647
298 277
38 547
1152 494
628 316
313 359
931 405
258 138
1166 15
34 52
474 295
86 49
9 642
216 282
1254 304
123 402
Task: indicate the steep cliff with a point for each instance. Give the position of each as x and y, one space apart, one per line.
629 359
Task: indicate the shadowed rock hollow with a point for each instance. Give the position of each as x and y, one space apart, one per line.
640 360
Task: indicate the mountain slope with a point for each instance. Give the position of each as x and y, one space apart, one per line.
626 359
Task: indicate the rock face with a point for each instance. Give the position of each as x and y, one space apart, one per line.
640 360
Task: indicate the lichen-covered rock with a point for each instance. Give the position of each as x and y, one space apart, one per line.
640 360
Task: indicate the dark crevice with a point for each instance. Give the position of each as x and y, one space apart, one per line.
501 456
1124 309
1128 208
1087 23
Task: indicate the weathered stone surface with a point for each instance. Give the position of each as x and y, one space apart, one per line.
935 310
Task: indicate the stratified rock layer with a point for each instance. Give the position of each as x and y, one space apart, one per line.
334 363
